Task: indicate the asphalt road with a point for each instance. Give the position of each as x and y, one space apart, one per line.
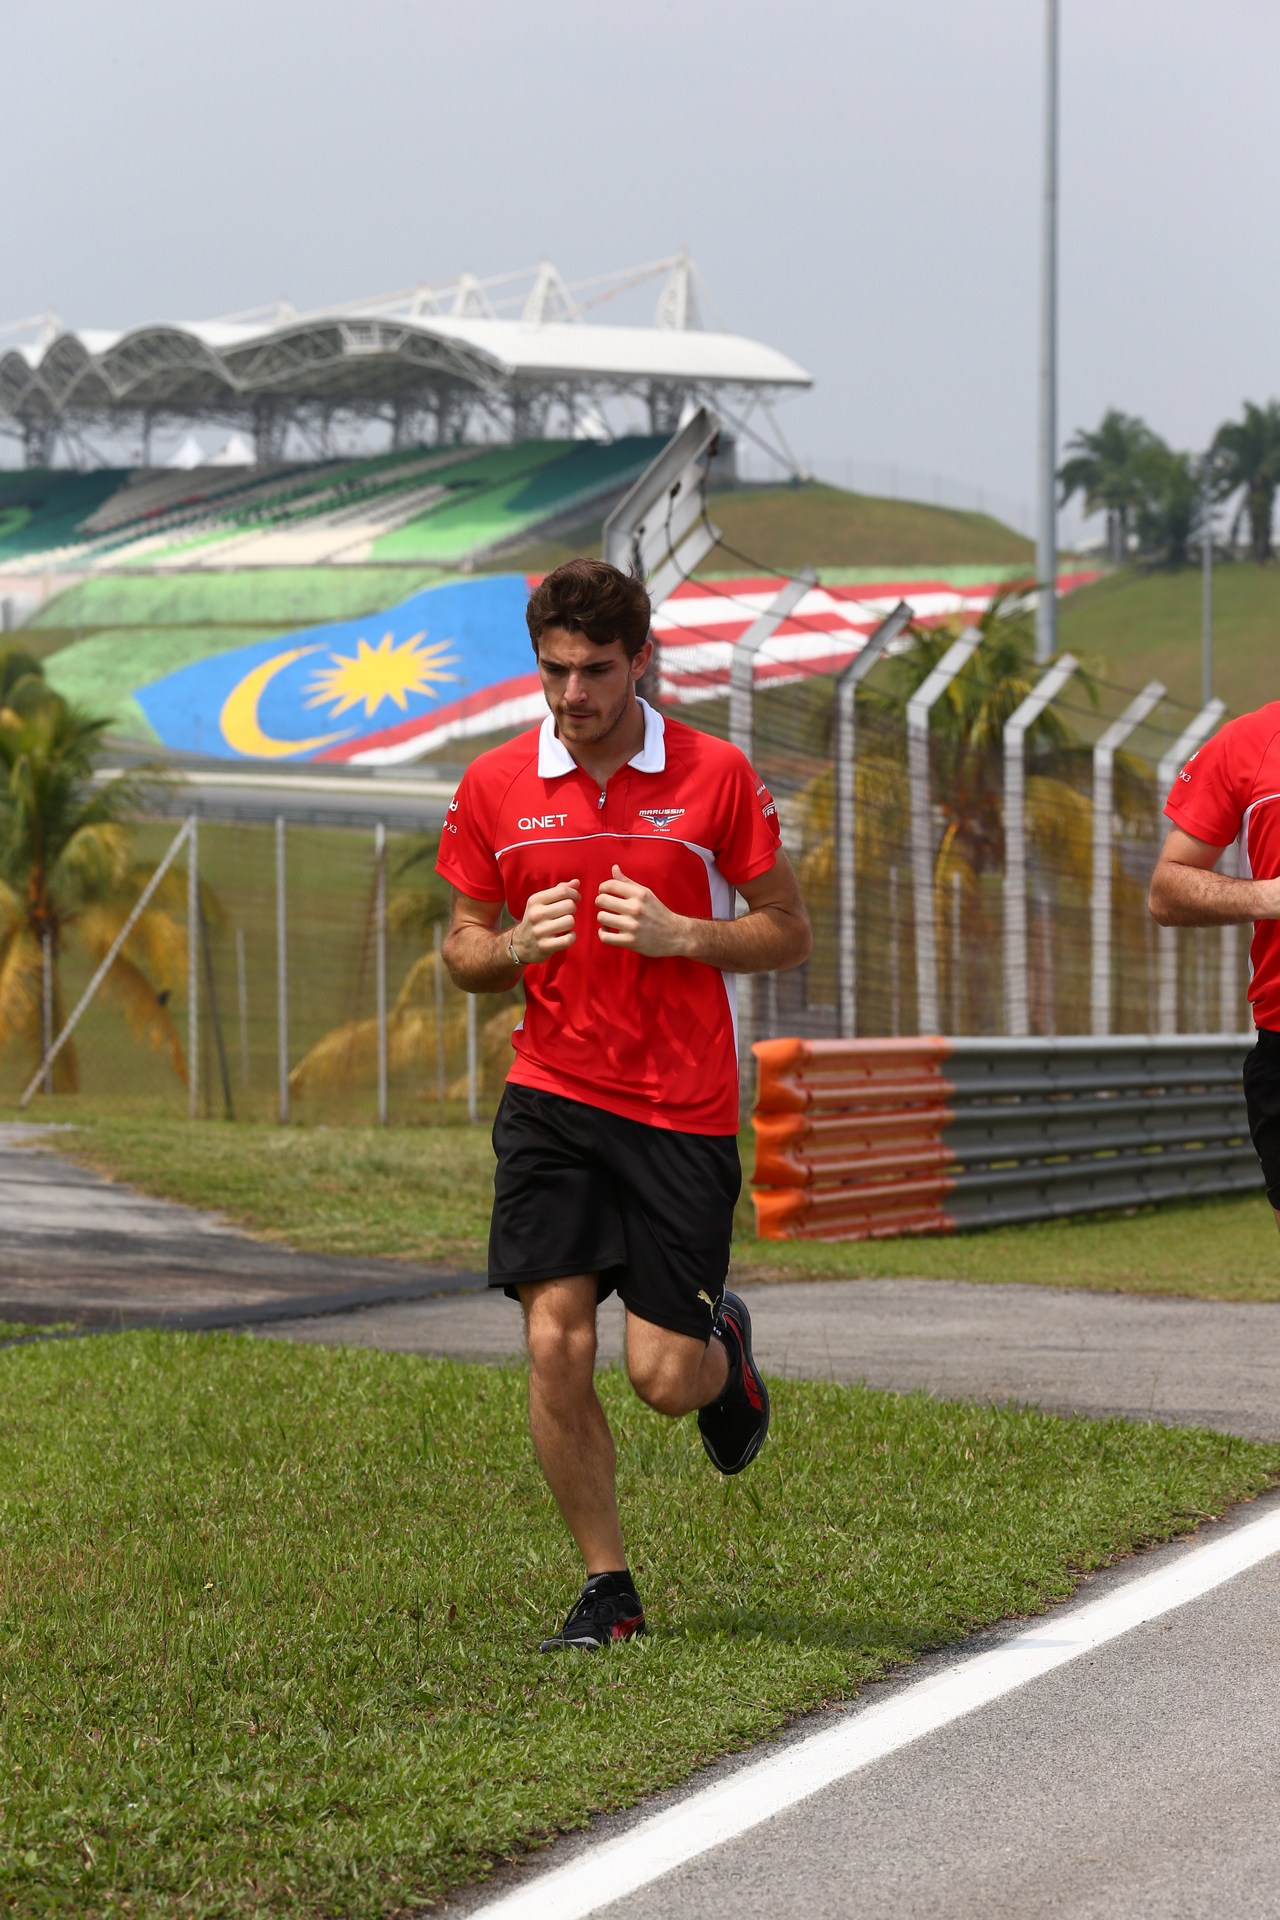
1138 1782
78 1247
1184 1362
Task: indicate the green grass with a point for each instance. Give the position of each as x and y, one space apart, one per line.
820 526
420 1193
1147 626
423 1193
24 1329
1206 1249
257 1658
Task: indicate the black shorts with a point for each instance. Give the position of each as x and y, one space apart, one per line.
1262 1098
579 1190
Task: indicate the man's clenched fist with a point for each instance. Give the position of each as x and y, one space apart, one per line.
547 926
628 915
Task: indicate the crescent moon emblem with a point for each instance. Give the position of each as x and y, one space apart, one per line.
239 717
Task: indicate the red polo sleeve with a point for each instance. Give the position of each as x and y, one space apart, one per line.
1206 799
750 835
466 858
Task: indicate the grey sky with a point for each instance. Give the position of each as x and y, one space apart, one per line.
860 184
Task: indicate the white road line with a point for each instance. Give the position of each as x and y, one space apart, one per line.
658 1845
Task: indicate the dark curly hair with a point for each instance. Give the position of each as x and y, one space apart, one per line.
591 597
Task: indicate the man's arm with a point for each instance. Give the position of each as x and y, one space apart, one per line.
774 933
477 951
1186 892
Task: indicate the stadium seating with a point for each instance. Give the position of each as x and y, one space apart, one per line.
442 507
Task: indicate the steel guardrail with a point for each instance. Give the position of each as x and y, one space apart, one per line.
869 1139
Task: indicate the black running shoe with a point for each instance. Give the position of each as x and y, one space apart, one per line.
734 1426
599 1619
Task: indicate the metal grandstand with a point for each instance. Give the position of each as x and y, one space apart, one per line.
510 357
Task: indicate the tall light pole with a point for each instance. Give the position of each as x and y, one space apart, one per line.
1206 584
1047 516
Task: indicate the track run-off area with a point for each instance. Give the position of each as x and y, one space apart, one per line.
1115 1755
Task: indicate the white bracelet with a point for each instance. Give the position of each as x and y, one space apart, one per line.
511 949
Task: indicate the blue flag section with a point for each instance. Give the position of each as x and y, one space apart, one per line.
324 692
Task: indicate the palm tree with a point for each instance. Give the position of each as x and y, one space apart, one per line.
1106 468
1171 509
68 875
1246 457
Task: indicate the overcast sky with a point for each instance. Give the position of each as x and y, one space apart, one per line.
859 184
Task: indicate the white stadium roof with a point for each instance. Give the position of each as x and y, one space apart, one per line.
429 350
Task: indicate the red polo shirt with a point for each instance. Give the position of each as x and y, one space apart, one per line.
653 1040
1230 790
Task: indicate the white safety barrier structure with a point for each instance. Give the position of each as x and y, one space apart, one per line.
919 707
742 734
660 529
1109 743
846 773
1019 723
1182 749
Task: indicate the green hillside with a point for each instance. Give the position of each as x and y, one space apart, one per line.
820 526
1142 627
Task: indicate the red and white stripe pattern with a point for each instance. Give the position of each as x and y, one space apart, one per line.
699 625
697 629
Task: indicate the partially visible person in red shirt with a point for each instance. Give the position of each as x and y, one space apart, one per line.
1230 791
616 839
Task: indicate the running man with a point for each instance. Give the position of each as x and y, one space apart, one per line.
1230 790
616 838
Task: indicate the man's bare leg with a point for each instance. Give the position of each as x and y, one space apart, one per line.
570 1433
672 1372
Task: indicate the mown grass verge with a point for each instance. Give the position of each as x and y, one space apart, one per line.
423 1193
267 1613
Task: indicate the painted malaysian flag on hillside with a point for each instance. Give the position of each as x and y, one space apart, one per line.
454 663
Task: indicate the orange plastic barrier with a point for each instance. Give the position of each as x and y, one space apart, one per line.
849 1139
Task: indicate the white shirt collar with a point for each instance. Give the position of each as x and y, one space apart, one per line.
554 757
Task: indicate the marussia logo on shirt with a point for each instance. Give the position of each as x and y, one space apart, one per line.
660 818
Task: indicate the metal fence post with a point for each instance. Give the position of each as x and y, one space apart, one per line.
1229 960
742 663
46 1006
473 1063
1104 754
380 960
956 889
242 1005
848 680
193 970
919 706
1047 688
1167 937
895 957
437 942
282 975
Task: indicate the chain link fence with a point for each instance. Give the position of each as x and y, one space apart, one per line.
351 1016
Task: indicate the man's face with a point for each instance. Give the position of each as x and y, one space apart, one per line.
589 688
